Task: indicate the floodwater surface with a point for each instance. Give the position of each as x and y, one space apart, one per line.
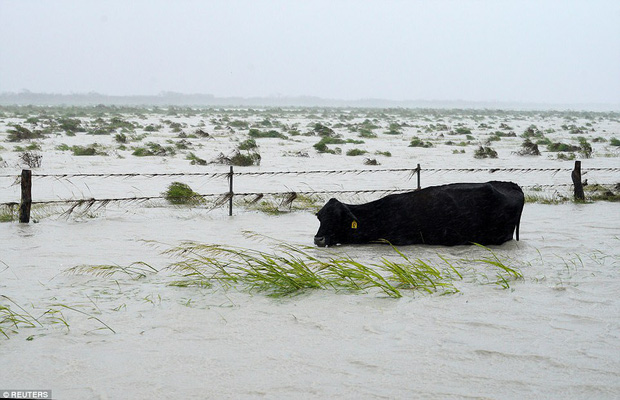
553 334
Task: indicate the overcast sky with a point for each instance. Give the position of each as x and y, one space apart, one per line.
487 50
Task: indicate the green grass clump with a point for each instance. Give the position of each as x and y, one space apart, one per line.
367 133
8 214
356 152
321 146
154 149
556 147
462 131
601 192
90 150
180 193
249 144
255 133
394 129
614 142
195 160
245 159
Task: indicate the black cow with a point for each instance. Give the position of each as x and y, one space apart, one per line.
454 214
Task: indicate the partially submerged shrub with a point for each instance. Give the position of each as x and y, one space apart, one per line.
556 146
31 159
367 133
417 142
201 133
462 131
255 133
322 130
154 149
245 159
585 148
532 131
239 159
71 126
321 146
249 144
90 150
239 124
394 129
356 152
566 156
601 192
195 160
152 128
485 152
180 193
19 133
528 148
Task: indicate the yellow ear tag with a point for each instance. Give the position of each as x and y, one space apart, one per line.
354 225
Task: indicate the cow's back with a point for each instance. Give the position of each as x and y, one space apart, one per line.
454 214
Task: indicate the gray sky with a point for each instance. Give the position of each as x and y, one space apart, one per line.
486 50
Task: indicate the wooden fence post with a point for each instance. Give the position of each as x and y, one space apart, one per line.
576 176
419 187
230 191
26 202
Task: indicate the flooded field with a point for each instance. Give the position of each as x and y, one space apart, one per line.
139 330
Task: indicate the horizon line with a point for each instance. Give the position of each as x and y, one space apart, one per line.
207 99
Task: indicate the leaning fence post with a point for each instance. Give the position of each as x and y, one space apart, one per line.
418 171
26 202
576 176
230 191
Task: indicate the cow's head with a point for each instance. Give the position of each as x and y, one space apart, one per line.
336 221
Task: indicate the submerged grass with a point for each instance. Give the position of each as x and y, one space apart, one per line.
14 317
135 270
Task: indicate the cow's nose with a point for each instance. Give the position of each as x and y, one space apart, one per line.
319 241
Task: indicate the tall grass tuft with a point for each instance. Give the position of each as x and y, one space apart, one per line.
291 270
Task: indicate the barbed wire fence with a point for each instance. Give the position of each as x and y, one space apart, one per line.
251 197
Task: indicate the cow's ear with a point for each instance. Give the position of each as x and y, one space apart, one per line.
349 214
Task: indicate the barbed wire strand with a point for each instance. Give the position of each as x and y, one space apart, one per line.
225 196
323 172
